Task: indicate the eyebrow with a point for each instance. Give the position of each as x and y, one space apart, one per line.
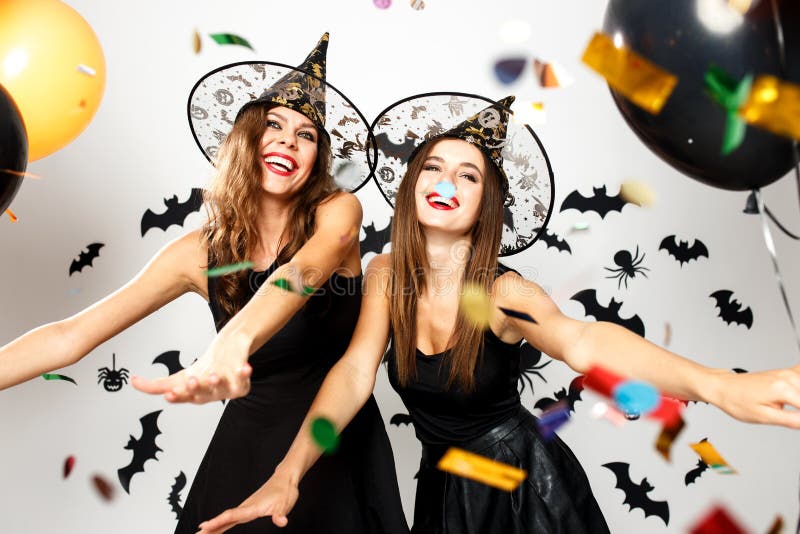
463 163
284 119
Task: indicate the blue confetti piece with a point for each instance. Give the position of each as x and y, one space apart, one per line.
636 397
445 189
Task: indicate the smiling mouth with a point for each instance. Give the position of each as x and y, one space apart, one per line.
280 164
439 202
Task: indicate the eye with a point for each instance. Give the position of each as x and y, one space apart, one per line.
307 135
471 177
273 124
432 168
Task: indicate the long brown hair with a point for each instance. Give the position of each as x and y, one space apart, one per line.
232 203
410 268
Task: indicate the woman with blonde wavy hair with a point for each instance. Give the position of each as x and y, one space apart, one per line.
283 323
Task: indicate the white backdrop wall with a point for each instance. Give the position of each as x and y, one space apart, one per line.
138 150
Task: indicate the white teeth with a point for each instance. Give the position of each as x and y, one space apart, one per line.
442 200
283 162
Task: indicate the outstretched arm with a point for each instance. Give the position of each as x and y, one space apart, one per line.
172 272
753 397
222 371
344 391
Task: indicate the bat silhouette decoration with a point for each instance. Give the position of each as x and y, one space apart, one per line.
393 150
695 473
400 419
681 251
553 241
731 310
600 202
144 449
174 498
572 396
636 494
374 240
85 259
171 360
588 297
175 213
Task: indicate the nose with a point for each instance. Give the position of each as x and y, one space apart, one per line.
288 139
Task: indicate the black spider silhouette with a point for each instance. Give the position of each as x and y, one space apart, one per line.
529 356
111 378
629 266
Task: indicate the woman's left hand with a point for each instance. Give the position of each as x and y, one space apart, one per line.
759 397
221 373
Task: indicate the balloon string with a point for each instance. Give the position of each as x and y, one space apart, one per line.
771 248
783 228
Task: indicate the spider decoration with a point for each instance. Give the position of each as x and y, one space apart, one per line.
111 378
528 359
629 266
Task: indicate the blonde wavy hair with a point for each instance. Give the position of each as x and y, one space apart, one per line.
230 231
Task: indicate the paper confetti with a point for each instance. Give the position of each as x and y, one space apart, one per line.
228 269
21 174
731 95
551 75
382 4
49 376
508 70
418 5
636 397
69 464
777 526
284 284
774 105
324 434
552 419
518 315
476 305
601 410
667 437
641 81
197 43
709 455
579 227
475 467
638 193
230 39
11 216
717 521
445 189
667 334
103 487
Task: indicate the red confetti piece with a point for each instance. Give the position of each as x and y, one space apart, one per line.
717 521
69 464
103 487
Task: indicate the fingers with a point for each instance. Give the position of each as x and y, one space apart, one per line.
230 518
158 386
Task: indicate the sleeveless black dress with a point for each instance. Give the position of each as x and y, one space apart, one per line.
354 490
490 421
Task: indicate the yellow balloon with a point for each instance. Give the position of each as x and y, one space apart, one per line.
53 65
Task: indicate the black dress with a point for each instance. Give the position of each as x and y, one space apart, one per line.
354 490
490 421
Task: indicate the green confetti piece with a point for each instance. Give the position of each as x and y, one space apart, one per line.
324 434
282 283
230 39
48 376
731 95
227 269
735 128
308 290
580 226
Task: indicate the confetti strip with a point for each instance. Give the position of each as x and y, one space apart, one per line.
579 227
445 189
284 284
731 95
551 75
103 487
324 434
69 464
717 521
642 82
552 418
638 193
774 105
709 455
21 174
230 39
89 71
11 216
417 5
518 315
468 465
667 334
667 437
197 43
777 526
508 70
476 305
48 376
228 269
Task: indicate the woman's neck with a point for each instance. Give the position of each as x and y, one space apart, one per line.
447 259
273 217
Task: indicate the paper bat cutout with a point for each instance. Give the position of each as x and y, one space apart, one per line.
175 213
85 258
636 494
695 473
174 498
392 150
599 202
682 251
588 297
374 241
144 449
729 309
171 360
400 419
553 241
573 396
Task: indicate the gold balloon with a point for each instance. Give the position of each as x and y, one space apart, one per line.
52 64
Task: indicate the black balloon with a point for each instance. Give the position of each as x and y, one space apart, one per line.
13 149
685 37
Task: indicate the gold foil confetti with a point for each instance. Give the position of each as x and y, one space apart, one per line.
774 105
709 455
475 467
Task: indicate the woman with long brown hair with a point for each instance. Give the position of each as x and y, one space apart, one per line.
283 322
458 204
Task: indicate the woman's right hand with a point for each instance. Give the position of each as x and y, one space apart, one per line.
275 498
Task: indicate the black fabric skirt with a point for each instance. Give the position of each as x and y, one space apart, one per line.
555 497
